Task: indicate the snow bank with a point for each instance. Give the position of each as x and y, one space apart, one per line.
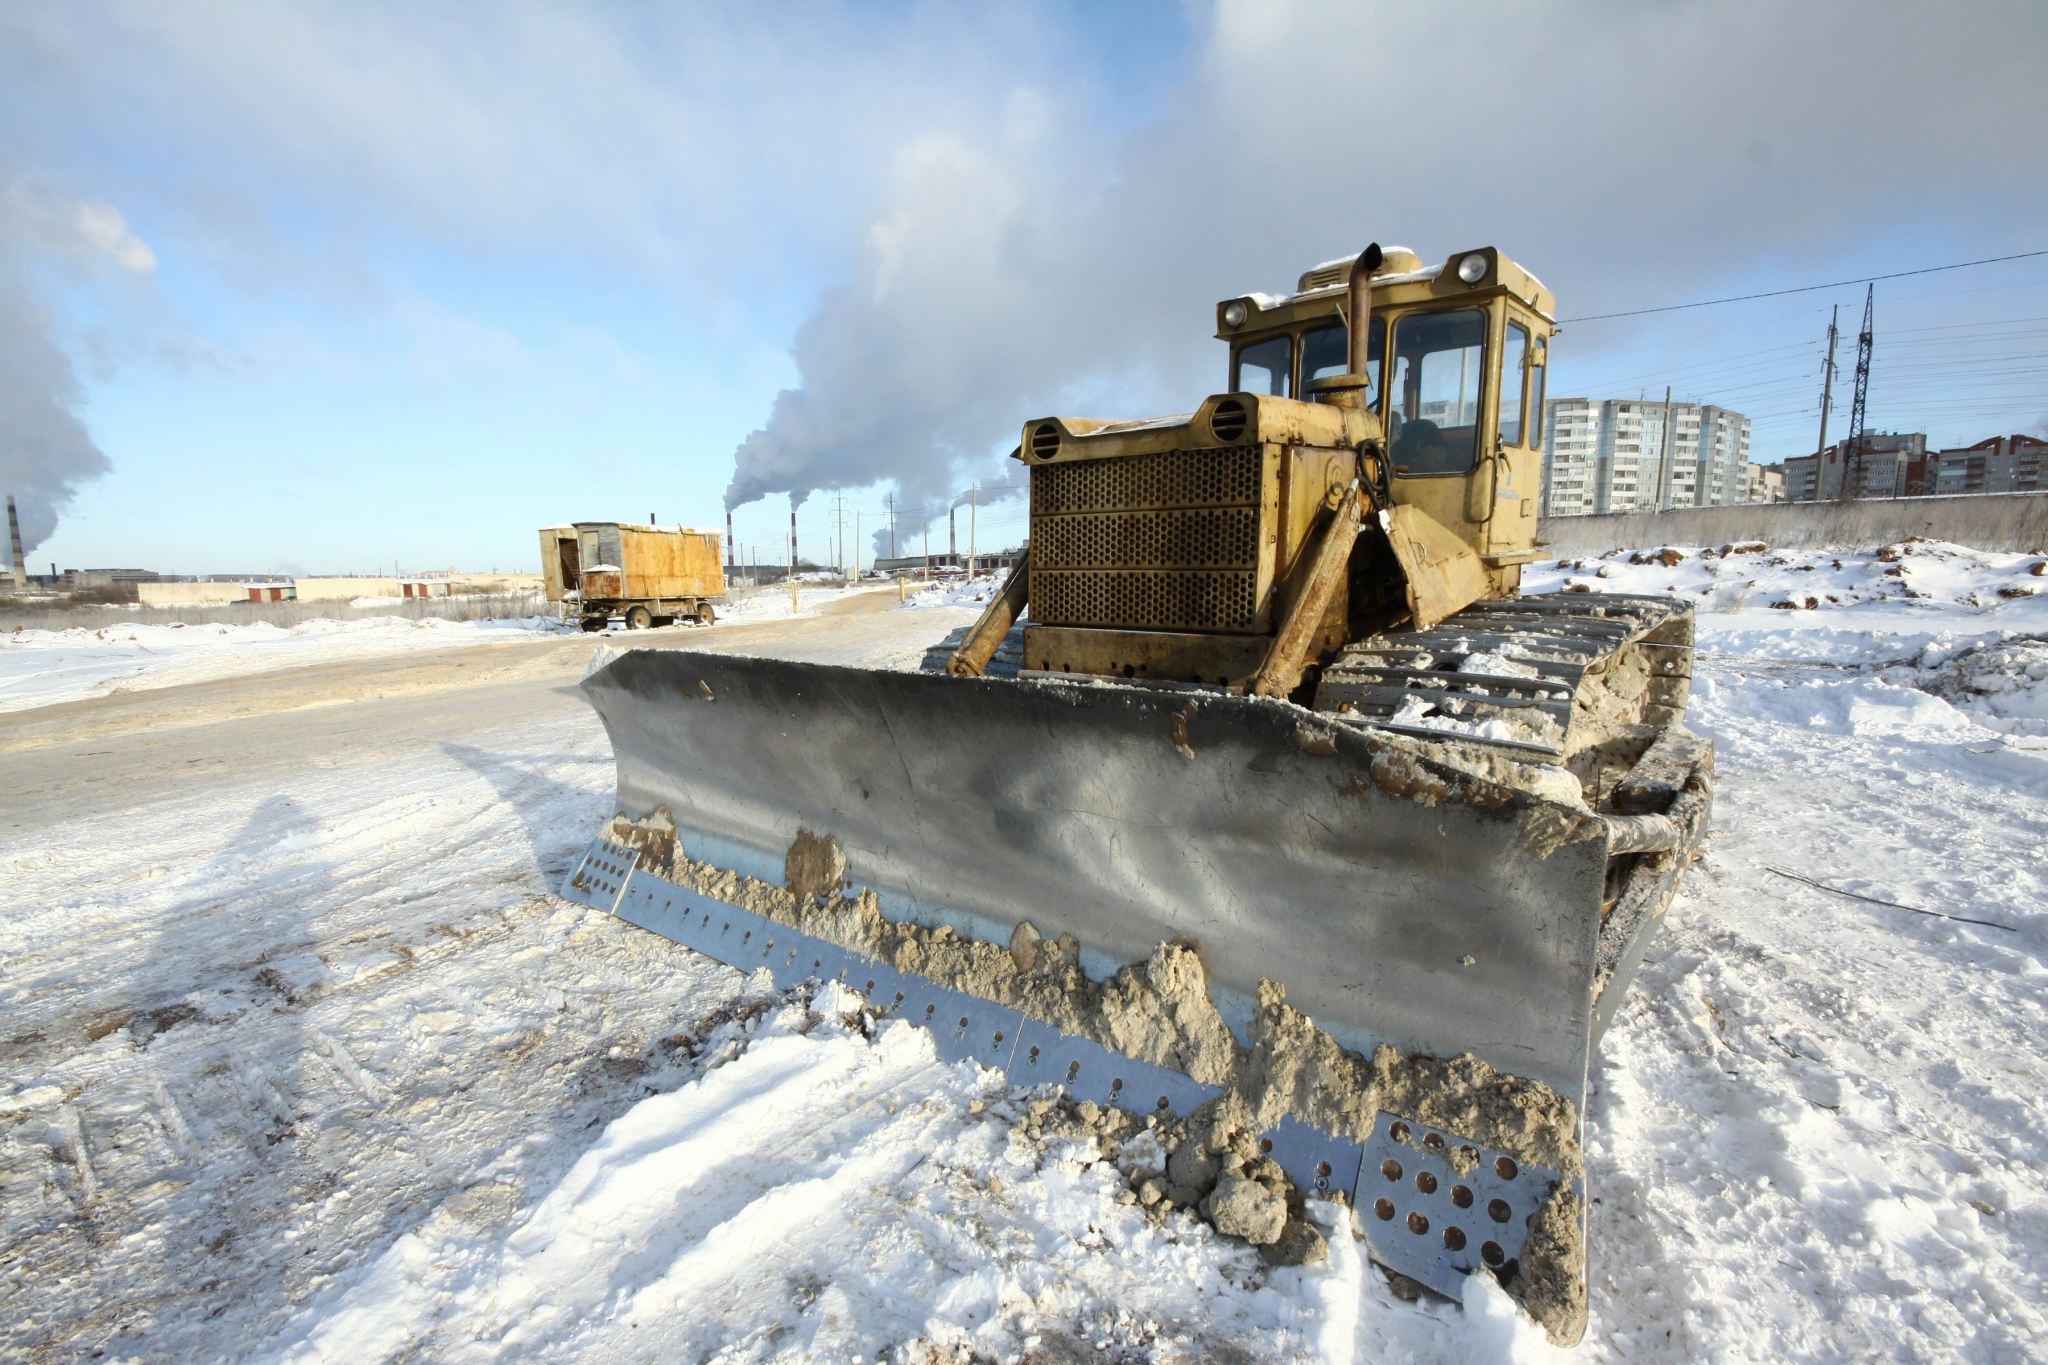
46 667
826 1195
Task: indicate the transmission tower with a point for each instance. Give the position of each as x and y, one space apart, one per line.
1852 458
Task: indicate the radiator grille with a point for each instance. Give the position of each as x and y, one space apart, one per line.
1174 478
1146 599
1166 541
1206 538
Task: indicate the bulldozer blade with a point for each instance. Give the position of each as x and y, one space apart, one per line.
1479 1188
1400 890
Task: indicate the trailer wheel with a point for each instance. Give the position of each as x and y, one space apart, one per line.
638 618
705 615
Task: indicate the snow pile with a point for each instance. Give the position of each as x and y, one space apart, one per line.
772 603
46 667
824 1194
2003 686
973 592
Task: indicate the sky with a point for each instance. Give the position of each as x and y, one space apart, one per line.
341 287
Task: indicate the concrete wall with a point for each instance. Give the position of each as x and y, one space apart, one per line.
341 589
1991 521
178 594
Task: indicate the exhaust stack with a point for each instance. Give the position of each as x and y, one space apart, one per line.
14 539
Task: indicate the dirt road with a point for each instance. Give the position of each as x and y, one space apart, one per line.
280 976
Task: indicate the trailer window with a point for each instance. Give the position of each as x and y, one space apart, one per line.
1327 351
1439 359
1264 367
1514 358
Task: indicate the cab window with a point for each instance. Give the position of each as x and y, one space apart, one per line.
1265 367
1326 351
1536 401
1514 358
1439 359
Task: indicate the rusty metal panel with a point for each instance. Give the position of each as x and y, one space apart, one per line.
670 564
1145 654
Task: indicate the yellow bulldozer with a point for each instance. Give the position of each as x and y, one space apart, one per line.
1258 802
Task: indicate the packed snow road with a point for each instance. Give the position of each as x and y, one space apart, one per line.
301 1061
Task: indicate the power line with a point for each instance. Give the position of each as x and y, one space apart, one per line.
1804 288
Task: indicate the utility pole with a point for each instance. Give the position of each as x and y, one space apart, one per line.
892 526
839 504
856 542
1827 400
1664 460
1852 458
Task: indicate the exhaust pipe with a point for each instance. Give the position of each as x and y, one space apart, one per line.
1362 271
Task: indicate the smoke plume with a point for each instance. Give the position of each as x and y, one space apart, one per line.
1048 265
46 453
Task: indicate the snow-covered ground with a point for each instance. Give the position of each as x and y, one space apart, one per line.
44 667
307 1065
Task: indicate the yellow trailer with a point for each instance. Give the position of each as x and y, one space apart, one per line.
650 575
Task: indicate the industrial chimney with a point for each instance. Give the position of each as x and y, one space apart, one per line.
14 539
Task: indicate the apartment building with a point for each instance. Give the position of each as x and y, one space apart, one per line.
1997 464
1610 455
1894 464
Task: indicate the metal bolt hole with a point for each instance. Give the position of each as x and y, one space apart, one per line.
1454 1238
1461 1196
1425 1182
1391 1169
1417 1224
1499 1211
1492 1254
1385 1209
1506 1167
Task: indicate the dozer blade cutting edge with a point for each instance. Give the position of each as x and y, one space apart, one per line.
1440 898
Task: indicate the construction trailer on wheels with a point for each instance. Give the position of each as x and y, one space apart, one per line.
648 575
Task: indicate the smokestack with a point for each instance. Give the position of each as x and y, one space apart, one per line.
14 540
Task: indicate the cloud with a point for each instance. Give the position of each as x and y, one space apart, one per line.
45 452
1627 154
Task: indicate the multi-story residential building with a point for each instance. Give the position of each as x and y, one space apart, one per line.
1763 483
1997 464
1610 455
1894 464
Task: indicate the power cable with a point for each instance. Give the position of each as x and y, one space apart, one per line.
1804 288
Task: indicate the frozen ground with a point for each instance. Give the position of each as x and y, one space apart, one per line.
303 1063
45 667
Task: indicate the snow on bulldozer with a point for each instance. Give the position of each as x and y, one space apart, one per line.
1258 804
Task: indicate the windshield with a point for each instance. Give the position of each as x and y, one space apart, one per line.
1264 367
1438 361
1326 351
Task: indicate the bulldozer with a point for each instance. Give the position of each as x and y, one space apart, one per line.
1258 802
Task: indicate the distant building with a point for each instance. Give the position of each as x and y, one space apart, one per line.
1764 483
1609 455
85 580
1997 464
1894 464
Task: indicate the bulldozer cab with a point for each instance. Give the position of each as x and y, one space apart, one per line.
1461 402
